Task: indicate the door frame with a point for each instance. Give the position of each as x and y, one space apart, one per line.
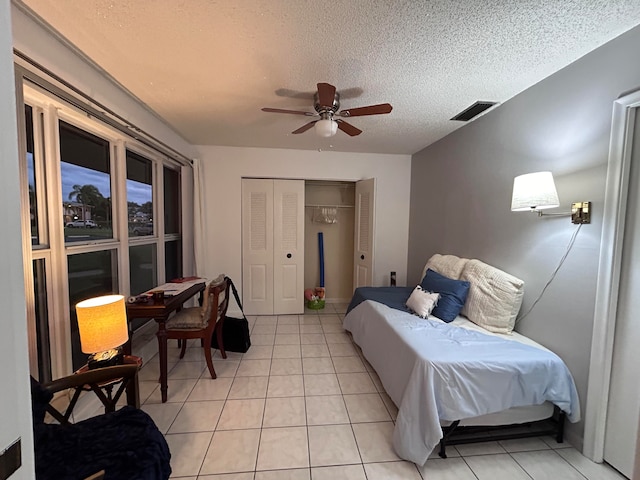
373 220
609 270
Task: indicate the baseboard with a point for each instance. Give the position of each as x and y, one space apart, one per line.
572 437
338 300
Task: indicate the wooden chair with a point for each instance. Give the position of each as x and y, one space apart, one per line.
202 322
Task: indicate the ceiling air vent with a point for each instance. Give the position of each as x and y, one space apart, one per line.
473 111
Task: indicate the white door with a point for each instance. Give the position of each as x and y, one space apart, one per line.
257 246
272 246
363 233
288 246
623 410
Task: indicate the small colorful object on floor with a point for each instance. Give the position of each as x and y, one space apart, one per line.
314 298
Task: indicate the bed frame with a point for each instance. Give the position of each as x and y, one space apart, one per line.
456 434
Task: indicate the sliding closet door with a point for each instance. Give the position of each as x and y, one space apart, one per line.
273 246
288 246
363 241
257 246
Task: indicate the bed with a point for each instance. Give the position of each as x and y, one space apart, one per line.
440 373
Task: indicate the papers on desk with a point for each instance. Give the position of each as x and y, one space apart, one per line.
172 289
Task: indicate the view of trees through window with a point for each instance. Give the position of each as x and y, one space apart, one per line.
86 185
139 194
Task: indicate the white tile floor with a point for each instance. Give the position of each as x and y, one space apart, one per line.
302 404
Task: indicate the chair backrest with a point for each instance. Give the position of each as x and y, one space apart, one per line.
218 301
42 394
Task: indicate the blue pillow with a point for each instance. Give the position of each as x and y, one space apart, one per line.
453 294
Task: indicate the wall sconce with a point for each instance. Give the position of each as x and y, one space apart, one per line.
102 322
535 192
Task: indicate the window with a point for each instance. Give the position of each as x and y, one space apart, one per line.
171 201
86 185
173 259
142 268
143 241
139 194
31 173
42 320
94 233
172 209
90 275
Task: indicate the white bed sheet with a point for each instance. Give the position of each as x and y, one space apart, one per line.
436 372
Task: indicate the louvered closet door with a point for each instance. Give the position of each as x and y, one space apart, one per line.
363 233
288 246
257 246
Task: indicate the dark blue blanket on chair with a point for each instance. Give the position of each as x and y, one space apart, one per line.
126 444
394 297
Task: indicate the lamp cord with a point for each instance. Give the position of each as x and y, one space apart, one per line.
553 275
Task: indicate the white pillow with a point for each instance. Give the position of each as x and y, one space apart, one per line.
494 298
448 265
422 302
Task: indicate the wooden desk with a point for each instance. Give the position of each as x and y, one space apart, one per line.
160 312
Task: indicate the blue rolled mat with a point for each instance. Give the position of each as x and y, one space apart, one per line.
321 250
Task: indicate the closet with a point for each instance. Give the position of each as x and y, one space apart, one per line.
281 220
330 210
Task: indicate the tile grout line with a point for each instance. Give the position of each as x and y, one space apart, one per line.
556 453
215 428
304 393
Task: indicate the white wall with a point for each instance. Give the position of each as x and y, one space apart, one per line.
39 44
224 168
461 195
15 399
36 41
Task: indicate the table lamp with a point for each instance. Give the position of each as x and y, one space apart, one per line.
102 322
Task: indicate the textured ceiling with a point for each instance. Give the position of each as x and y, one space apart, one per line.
208 66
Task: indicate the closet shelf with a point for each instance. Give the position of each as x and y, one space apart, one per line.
330 206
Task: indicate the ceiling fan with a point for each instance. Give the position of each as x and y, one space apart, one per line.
326 103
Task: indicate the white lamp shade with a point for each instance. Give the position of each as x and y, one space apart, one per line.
326 128
534 191
102 322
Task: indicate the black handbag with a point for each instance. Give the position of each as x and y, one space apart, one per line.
235 331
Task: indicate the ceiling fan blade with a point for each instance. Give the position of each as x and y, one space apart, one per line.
306 127
294 112
326 94
348 128
369 110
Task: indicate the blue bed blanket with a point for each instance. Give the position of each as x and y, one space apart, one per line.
394 297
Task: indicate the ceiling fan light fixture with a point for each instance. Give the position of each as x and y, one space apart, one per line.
326 128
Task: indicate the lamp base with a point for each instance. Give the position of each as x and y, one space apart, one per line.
108 358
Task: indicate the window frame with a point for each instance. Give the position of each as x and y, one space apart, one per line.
50 110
